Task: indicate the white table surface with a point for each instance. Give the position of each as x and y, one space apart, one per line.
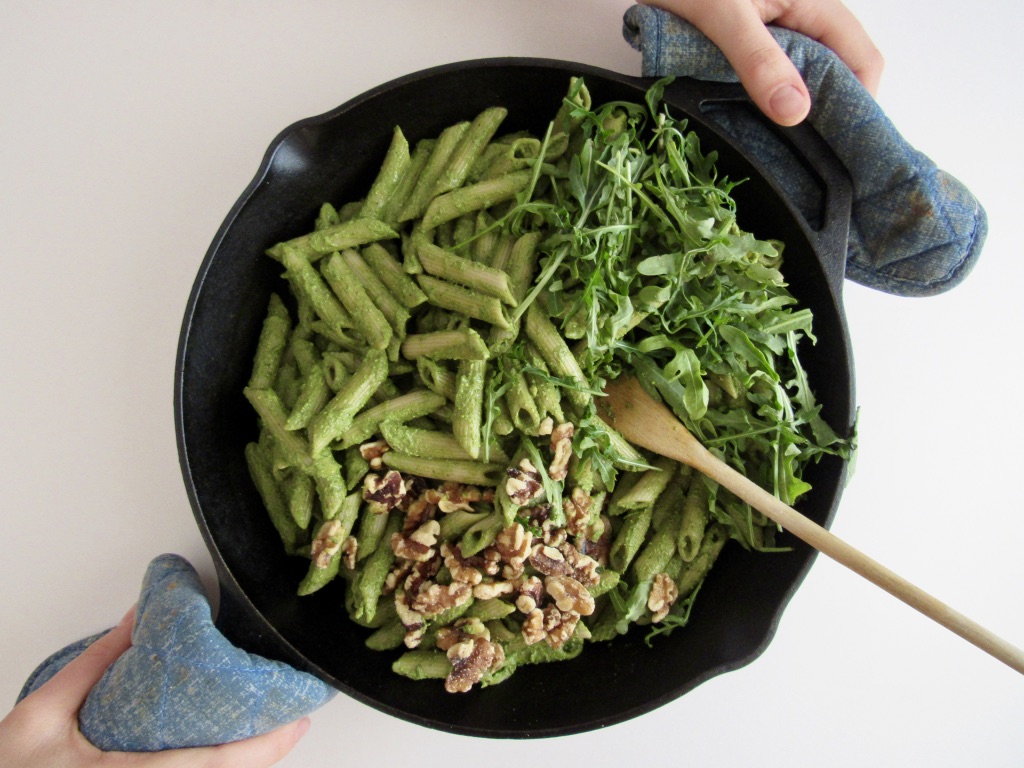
128 129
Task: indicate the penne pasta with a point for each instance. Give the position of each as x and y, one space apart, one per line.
271 345
423 192
429 433
443 264
389 178
475 197
467 472
383 299
367 319
471 146
467 419
555 352
463 301
463 344
399 409
350 233
337 416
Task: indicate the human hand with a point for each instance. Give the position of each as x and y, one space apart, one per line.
42 730
738 28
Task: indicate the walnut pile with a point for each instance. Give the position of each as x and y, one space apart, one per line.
541 567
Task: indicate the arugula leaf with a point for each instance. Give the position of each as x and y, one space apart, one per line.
630 603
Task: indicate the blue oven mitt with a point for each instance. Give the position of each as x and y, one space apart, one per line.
914 230
181 683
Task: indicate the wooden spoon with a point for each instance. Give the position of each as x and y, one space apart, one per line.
649 424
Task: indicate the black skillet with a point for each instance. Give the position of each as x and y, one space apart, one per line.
333 157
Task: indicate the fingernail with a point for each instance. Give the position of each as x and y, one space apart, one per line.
789 105
129 617
302 727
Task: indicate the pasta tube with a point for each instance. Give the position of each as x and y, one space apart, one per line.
400 196
478 277
470 147
307 281
300 493
348 234
694 572
648 488
463 301
467 418
314 392
481 534
630 538
522 264
336 417
274 501
369 584
389 177
274 417
390 271
466 472
423 192
330 484
271 345
462 344
455 524
436 377
695 517
387 637
422 665
405 407
556 353
396 313
474 197
366 317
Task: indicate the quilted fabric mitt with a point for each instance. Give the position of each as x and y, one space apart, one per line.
181 683
914 231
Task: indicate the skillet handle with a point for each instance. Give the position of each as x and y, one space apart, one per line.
830 233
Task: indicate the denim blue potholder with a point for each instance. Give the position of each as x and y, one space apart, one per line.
181 683
914 230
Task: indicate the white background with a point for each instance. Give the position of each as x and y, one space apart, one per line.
128 129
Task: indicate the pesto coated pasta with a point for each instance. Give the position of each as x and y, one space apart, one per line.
426 384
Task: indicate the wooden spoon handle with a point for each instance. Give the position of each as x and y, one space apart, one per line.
828 543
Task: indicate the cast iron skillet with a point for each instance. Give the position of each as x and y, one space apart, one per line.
334 157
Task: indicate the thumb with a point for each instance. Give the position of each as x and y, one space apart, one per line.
764 69
65 692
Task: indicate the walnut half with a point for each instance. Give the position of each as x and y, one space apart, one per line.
561 448
373 453
326 544
419 545
523 484
550 624
384 492
569 595
471 659
664 593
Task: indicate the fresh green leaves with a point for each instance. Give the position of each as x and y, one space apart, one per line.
648 271
644 270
